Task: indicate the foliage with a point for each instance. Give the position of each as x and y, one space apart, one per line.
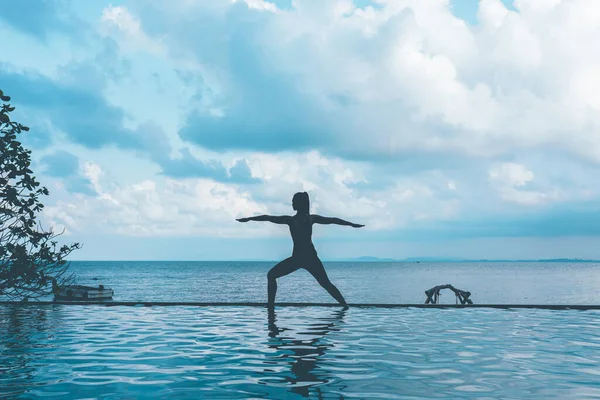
30 260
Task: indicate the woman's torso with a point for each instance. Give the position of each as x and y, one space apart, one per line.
301 231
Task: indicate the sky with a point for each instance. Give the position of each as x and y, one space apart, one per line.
458 128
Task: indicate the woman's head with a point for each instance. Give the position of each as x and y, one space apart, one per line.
300 202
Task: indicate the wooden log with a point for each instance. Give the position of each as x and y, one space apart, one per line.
433 294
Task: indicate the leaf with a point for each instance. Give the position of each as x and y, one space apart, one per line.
26 259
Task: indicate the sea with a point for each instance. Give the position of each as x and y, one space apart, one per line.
239 352
359 282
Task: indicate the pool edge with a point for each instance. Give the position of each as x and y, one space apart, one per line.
352 305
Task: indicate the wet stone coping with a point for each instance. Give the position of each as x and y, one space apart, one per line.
351 305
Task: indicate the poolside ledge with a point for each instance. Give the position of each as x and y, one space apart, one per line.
352 305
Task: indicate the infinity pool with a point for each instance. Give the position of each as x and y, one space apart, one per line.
57 351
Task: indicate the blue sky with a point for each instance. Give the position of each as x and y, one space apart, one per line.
450 128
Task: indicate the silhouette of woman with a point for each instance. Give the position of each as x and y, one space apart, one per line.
304 254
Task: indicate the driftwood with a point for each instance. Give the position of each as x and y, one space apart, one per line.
433 295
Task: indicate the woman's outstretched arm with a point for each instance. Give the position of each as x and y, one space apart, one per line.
317 219
282 219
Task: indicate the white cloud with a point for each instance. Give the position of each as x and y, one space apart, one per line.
417 77
511 180
202 207
171 208
119 18
492 13
93 172
530 198
511 174
259 5
406 77
517 80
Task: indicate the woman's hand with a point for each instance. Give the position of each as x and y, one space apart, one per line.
243 219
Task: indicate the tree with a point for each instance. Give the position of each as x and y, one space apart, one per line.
30 260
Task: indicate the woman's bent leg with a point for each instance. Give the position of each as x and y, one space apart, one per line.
317 270
285 267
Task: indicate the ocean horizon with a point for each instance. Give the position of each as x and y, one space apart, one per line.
360 282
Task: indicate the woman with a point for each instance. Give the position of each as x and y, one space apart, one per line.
304 254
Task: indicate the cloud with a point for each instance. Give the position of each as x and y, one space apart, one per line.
147 208
379 82
513 182
66 166
241 173
511 174
103 68
204 207
188 166
84 116
74 105
429 205
395 114
60 164
575 220
40 18
120 20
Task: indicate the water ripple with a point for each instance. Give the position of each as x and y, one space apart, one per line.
237 352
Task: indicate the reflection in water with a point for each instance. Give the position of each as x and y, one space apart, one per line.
20 347
303 354
232 353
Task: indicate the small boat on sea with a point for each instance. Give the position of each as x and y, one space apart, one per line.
79 292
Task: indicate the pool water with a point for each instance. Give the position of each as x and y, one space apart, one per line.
58 351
